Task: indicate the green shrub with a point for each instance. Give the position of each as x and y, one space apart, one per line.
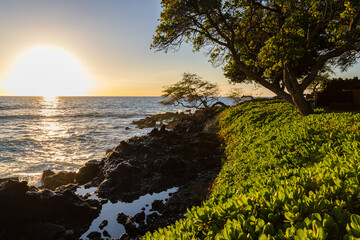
284 176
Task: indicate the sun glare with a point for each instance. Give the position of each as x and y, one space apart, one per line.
47 71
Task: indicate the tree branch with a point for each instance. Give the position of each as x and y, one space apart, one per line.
335 53
276 10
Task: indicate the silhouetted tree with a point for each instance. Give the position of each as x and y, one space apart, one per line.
279 44
237 95
191 92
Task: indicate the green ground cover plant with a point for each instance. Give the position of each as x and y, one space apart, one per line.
284 176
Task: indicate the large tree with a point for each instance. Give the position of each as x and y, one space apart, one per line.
279 44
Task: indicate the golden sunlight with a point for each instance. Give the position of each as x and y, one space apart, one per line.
47 71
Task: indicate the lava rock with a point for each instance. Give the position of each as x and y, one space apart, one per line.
125 236
94 236
88 172
32 213
106 234
157 205
159 160
152 218
45 231
121 218
130 227
103 224
188 157
140 217
52 180
7 179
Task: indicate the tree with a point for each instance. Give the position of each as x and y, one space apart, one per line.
237 96
279 44
191 92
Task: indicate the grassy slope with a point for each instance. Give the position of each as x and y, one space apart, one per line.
284 177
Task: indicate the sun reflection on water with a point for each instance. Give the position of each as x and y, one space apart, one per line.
52 129
49 103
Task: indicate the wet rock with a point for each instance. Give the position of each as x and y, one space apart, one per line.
52 180
187 157
130 227
139 217
168 119
152 218
125 236
70 187
94 236
157 205
121 218
11 190
88 172
106 234
158 161
124 148
45 231
103 224
47 173
31 213
126 128
69 232
7 179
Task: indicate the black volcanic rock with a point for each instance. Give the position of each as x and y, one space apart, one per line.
88 172
52 179
139 217
159 160
30 213
130 227
121 218
187 157
157 205
103 224
94 236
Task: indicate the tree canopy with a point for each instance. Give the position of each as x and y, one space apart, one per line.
279 44
191 92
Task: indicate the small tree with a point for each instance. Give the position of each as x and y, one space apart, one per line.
237 96
191 92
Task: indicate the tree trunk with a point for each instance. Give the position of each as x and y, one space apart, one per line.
301 104
297 95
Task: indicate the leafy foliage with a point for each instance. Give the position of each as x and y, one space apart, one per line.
281 45
284 177
191 92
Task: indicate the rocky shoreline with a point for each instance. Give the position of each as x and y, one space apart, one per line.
187 157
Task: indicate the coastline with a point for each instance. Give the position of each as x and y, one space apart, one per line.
187 157
65 132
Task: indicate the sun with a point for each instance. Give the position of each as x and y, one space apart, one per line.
47 71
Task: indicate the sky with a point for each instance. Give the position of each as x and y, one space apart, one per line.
110 41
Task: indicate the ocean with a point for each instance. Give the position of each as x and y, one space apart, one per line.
62 133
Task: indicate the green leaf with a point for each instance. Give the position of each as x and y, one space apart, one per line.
355 221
